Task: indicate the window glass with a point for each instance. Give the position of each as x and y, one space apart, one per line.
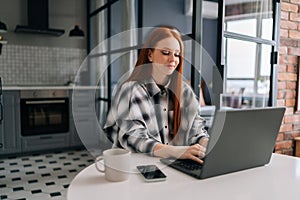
234 86
122 24
98 65
116 18
267 28
242 14
95 4
265 64
249 97
247 66
241 57
98 30
242 26
187 60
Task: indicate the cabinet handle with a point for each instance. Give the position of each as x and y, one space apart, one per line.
45 137
45 102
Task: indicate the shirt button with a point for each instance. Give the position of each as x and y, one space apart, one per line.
165 109
166 126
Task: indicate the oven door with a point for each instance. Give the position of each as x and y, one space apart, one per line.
44 116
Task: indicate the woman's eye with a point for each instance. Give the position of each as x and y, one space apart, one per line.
165 52
177 54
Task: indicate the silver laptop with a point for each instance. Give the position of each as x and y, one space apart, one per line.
239 139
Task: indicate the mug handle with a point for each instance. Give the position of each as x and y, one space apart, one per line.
96 164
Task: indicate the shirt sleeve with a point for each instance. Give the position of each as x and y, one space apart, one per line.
196 124
198 130
130 115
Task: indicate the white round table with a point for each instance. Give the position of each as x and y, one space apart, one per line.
278 180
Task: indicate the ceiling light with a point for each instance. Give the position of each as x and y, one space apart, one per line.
76 32
3 27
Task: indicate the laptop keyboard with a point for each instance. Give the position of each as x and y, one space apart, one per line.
187 166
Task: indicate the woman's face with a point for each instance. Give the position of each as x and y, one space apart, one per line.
165 57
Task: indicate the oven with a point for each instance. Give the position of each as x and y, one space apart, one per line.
44 112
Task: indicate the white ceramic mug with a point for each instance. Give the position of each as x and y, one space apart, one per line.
116 164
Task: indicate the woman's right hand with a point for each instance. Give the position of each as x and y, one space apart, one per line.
194 152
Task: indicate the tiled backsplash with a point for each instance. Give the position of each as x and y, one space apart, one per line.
36 65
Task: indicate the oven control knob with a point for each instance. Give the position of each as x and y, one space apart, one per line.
35 94
54 94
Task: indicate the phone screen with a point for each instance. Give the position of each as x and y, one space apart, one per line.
151 173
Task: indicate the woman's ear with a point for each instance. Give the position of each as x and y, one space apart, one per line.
150 55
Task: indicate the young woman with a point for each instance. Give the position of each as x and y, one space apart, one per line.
154 111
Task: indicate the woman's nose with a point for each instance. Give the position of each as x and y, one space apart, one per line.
171 57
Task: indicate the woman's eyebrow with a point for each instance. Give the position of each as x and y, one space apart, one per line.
166 48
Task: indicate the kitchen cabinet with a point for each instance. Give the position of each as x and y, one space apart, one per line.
45 142
83 127
10 127
74 137
85 121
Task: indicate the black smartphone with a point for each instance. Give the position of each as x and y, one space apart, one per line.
151 173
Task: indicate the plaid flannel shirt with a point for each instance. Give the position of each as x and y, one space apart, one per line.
141 116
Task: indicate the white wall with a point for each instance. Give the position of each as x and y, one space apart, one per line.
63 14
35 59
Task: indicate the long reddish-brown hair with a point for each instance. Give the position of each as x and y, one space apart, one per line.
143 67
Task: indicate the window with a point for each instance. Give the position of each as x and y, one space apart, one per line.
250 43
110 53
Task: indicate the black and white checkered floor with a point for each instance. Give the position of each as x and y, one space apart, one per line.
41 176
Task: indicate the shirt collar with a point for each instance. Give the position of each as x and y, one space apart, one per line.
153 88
